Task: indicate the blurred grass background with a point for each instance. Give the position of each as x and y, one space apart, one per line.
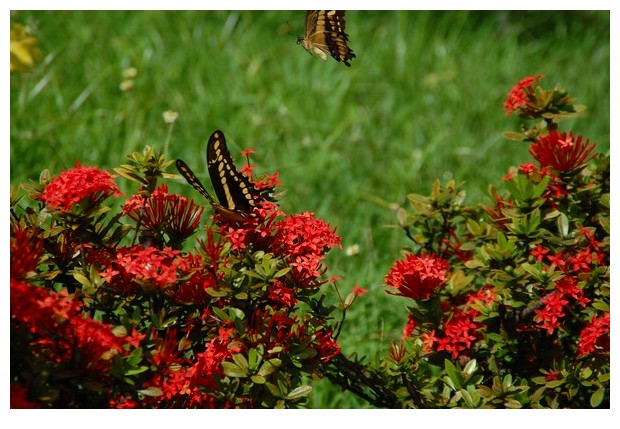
422 100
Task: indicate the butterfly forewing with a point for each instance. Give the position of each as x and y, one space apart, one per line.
191 178
325 33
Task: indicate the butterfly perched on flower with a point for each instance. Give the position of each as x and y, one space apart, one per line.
236 194
324 34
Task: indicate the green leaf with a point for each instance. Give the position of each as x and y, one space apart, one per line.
555 383
135 371
597 397
470 368
216 293
604 378
513 403
299 392
454 375
254 357
151 391
282 272
507 383
600 305
258 379
233 370
270 366
82 279
486 392
563 224
241 361
221 314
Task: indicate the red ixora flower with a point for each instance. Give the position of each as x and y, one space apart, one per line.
26 250
148 268
553 310
60 331
304 240
71 186
595 335
177 216
417 277
461 332
562 151
519 93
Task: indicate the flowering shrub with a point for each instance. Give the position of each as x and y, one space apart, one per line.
108 310
512 308
508 302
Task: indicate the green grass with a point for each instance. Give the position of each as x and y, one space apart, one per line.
422 100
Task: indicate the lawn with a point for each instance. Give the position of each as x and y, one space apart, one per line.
422 100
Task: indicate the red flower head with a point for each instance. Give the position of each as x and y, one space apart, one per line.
68 189
305 240
409 327
26 250
147 268
519 94
461 332
177 216
595 336
417 277
561 151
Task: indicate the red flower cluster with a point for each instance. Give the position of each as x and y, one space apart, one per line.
520 93
304 240
184 382
26 250
553 310
595 336
178 217
148 268
460 332
417 277
139 270
562 151
580 260
60 332
79 183
566 290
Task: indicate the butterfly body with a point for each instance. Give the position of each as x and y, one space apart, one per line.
324 34
237 196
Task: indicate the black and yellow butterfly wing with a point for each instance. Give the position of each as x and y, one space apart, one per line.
233 189
325 34
235 193
191 178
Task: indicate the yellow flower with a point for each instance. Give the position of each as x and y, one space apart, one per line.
24 50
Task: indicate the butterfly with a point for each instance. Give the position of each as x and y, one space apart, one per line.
237 196
324 34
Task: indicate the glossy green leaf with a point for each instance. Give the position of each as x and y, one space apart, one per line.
151 391
233 370
597 397
299 392
270 366
241 361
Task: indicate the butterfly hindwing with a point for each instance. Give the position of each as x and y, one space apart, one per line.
325 33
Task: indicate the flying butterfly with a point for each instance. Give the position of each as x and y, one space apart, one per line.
237 196
324 34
